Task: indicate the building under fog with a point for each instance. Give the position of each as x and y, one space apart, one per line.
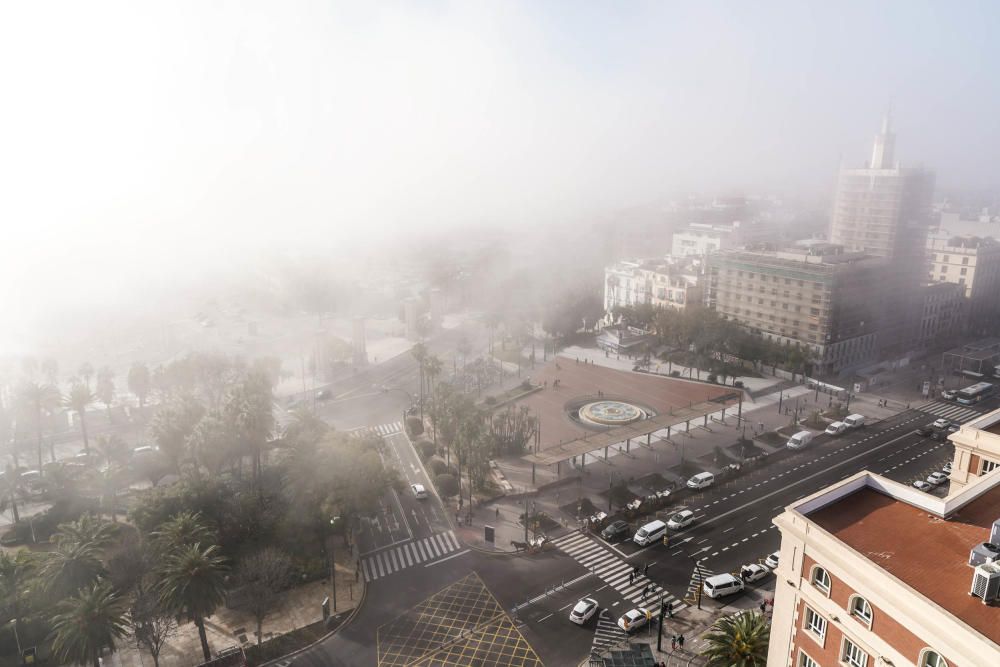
668 282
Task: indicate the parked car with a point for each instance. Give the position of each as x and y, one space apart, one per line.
922 485
854 421
947 468
799 440
702 480
772 560
682 519
419 492
925 430
949 394
615 530
721 585
941 423
753 572
937 478
634 619
836 428
583 611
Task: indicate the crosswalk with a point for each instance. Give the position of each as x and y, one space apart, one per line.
384 563
697 577
614 571
607 634
380 431
953 411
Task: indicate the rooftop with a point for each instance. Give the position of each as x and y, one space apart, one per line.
927 553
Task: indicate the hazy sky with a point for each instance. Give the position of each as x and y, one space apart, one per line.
140 140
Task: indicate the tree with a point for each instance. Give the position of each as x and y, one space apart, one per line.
173 425
739 640
16 569
105 388
249 409
184 529
10 490
212 442
88 529
511 431
114 450
86 371
79 399
152 623
139 382
87 624
70 567
37 398
191 583
263 577
420 353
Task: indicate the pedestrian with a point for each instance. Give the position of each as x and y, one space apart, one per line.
680 640
673 642
498 513
763 606
631 578
645 570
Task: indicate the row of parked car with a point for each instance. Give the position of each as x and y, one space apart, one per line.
74 466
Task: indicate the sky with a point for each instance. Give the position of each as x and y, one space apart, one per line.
142 143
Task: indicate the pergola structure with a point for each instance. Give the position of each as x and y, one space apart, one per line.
590 442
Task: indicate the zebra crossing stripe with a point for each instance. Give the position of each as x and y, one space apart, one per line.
407 555
949 411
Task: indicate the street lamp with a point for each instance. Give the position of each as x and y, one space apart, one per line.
333 563
17 639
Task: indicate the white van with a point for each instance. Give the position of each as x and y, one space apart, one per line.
721 585
836 428
799 440
652 531
854 421
702 480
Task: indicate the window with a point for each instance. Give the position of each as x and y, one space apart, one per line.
806 661
861 610
821 579
963 271
815 624
931 659
946 259
965 260
853 655
989 466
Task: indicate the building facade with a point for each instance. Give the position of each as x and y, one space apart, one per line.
974 264
820 298
664 283
942 313
875 573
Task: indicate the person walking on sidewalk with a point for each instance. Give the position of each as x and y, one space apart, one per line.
631 578
680 641
673 642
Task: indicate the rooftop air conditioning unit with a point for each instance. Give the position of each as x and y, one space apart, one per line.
986 552
995 532
986 582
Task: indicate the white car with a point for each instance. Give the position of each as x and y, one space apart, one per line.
419 492
682 519
922 485
772 560
753 572
583 610
634 619
937 478
947 468
941 423
836 428
949 394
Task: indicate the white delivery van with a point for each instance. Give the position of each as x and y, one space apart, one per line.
854 421
799 440
721 585
652 531
702 480
836 428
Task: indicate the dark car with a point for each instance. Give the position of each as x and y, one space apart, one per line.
926 429
615 530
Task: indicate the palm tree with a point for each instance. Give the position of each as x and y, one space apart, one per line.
183 529
88 623
38 397
139 383
86 371
88 529
15 572
738 641
69 567
173 425
10 490
105 388
191 582
113 449
79 399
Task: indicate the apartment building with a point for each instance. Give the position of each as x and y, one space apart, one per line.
875 573
974 264
819 297
941 314
664 283
700 239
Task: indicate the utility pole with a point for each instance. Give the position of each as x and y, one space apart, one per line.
333 563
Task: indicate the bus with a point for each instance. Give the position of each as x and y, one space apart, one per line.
975 393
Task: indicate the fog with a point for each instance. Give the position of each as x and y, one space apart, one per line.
145 148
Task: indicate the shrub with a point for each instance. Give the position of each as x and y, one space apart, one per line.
414 426
446 485
675 374
426 449
526 385
713 378
437 465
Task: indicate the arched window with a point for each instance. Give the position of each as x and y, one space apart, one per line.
821 579
930 658
861 610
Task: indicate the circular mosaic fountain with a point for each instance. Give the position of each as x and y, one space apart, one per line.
611 413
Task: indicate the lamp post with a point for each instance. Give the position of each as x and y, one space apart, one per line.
333 563
17 638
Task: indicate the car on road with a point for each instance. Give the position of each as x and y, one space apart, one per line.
753 572
615 530
953 427
143 449
702 480
941 423
634 619
682 519
772 560
937 478
947 468
583 611
323 394
925 430
949 394
721 585
419 492
921 485
836 428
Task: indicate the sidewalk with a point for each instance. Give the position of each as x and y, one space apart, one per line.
300 607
